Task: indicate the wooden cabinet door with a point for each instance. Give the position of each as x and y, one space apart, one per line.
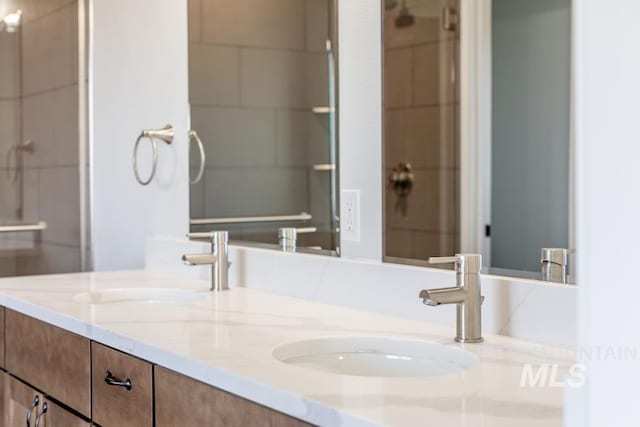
182 401
1 337
49 358
20 400
56 416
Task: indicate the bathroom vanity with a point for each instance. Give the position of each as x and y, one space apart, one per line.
140 348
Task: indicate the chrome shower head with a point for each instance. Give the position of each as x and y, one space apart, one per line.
405 18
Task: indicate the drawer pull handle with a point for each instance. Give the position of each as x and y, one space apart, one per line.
34 404
41 414
111 380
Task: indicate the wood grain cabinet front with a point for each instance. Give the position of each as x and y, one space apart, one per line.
49 358
23 406
1 337
182 401
122 388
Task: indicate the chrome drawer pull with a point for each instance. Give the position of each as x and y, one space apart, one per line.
41 414
34 404
111 380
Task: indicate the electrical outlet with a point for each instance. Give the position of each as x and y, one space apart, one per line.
350 217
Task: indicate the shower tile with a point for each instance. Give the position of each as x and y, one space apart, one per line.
428 244
317 24
236 137
302 138
50 119
197 195
432 73
258 23
8 127
214 75
59 205
398 85
398 243
36 9
195 20
320 197
48 51
9 66
248 192
273 78
317 84
30 195
421 136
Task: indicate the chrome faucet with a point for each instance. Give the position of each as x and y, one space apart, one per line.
553 262
466 295
218 259
288 236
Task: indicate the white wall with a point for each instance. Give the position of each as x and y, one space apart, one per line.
138 76
360 109
607 72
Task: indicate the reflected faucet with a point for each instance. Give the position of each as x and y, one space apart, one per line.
288 236
553 262
218 259
466 295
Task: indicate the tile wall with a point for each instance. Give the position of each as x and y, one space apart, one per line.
257 68
421 104
39 101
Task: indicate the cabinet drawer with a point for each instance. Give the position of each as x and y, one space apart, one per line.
51 359
1 337
182 401
116 405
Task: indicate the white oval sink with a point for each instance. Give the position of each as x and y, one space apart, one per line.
376 357
144 295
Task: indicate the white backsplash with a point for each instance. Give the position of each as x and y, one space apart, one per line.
519 308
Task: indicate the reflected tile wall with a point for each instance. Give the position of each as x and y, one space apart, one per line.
421 122
257 67
45 90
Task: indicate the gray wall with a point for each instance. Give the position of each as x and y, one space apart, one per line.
531 123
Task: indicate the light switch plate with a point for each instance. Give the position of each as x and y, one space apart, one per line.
350 216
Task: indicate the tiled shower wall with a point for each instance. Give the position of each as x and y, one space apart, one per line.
421 103
257 68
43 92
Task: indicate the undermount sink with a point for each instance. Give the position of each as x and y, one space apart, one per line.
143 295
376 357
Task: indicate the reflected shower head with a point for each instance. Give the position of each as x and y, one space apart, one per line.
12 21
405 18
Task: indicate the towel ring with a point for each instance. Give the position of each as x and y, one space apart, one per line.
21 146
165 134
203 157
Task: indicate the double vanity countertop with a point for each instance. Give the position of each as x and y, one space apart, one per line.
227 340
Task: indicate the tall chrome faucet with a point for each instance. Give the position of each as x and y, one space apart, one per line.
466 295
218 259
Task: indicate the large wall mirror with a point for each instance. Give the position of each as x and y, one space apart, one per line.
525 164
262 89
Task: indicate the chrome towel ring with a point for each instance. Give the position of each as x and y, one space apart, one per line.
193 135
165 134
26 146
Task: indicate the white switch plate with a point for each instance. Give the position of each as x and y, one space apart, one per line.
350 217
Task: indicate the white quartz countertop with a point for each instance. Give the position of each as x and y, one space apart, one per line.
226 340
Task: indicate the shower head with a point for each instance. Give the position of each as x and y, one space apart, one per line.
12 21
405 18
390 4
